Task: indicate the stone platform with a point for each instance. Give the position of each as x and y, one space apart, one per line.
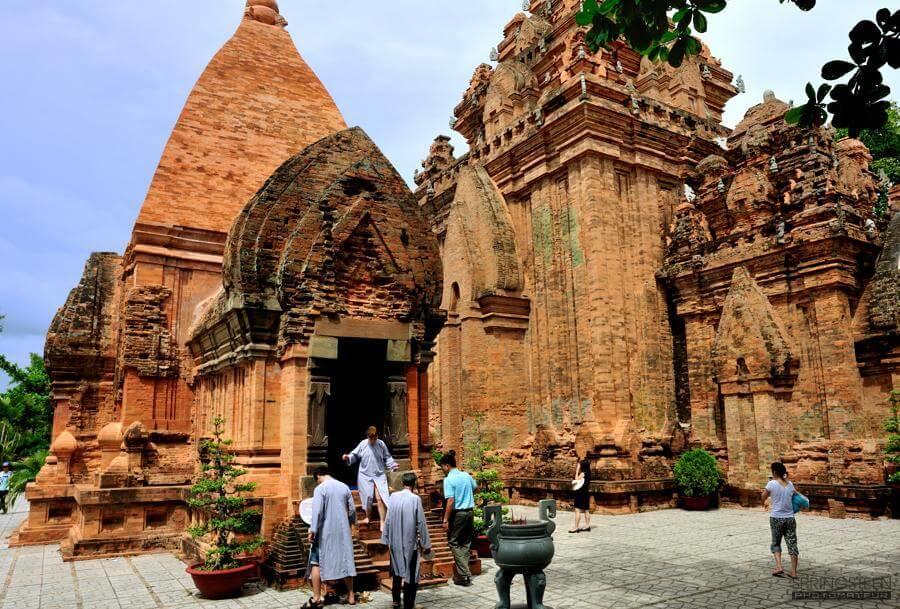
667 559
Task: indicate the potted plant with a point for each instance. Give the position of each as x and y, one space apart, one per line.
697 478
892 451
229 526
490 485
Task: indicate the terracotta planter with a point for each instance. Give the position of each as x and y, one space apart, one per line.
696 504
217 585
482 546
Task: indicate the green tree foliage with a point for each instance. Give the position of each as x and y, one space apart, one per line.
26 405
663 30
479 462
9 442
892 426
230 525
24 471
697 474
884 144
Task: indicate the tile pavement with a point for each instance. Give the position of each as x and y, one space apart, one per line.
658 560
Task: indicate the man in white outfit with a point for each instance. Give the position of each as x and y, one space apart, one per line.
374 461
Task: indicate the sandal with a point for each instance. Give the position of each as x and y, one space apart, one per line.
587 530
778 573
575 531
311 604
330 598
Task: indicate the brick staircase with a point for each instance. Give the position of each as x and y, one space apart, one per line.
286 564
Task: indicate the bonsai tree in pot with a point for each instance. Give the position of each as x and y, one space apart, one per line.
892 451
490 484
697 478
229 525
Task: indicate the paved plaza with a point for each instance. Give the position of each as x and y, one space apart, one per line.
663 560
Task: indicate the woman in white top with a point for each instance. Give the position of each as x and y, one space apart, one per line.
780 492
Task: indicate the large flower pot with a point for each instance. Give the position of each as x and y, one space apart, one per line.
482 546
696 504
217 585
522 548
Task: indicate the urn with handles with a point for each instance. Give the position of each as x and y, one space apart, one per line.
525 549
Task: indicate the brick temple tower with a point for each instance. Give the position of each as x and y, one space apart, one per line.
559 331
598 307
122 452
772 269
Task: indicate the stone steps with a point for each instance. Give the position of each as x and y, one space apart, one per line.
287 562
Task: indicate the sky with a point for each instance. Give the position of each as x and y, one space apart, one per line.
92 88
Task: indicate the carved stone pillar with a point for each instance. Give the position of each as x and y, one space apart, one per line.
317 404
397 423
424 359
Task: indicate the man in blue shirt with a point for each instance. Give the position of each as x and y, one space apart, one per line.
459 489
5 475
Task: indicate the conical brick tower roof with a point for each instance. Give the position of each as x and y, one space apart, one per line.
257 104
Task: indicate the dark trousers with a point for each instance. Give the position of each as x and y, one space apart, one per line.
3 495
460 535
409 589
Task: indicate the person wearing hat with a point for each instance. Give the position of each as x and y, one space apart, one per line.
5 475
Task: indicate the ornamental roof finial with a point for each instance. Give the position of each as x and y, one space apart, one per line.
264 11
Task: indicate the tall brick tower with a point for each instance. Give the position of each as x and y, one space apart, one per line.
122 453
553 226
599 307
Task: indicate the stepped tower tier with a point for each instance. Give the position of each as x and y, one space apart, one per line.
648 318
256 104
119 365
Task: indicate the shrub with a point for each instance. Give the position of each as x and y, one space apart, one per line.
478 461
892 426
697 474
489 492
232 526
24 471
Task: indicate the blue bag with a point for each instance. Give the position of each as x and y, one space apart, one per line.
799 502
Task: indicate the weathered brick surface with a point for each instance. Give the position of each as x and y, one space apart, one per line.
883 304
771 269
80 357
592 307
578 162
333 240
256 104
82 327
645 320
117 353
147 345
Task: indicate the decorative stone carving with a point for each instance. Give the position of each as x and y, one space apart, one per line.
751 341
265 11
397 428
319 392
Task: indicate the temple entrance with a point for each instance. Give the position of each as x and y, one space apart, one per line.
358 399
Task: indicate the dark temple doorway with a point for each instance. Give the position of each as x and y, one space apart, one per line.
358 399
